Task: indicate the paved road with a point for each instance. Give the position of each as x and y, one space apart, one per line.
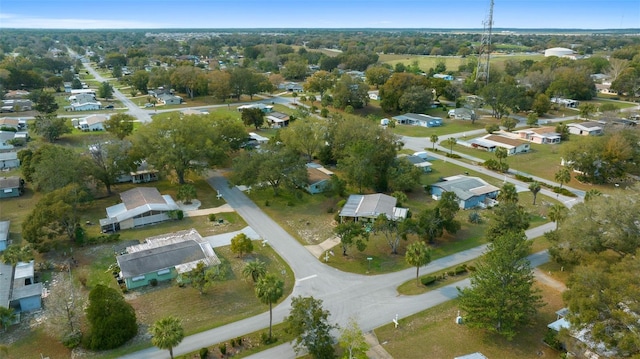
372 300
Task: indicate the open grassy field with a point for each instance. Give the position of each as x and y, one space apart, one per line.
425 62
434 334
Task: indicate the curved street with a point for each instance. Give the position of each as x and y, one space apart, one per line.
372 300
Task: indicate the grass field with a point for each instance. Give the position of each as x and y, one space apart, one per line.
452 63
434 334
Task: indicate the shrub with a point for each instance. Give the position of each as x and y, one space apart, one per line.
233 343
266 203
453 155
451 273
428 280
523 178
239 341
461 269
475 217
564 192
72 340
212 217
153 282
324 112
204 353
223 349
471 268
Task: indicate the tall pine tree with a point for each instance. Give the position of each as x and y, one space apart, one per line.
501 297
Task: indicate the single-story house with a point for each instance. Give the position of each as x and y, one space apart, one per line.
443 76
85 106
374 95
164 257
590 128
92 123
291 87
587 347
11 186
6 140
81 91
16 94
10 122
420 162
416 119
82 98
471 192
167 99
140 206
462 113
18 105
565 102
160 91
605 88
67 87
4 235
369 206
491 142
9 160
319 178
18 289
258 138
540 135
261 106
277 119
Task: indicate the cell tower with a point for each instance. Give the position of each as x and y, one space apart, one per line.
482 73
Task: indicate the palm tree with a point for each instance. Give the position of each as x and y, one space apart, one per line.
557 213
563 176
501 153
451 141
508 194
418 255
591 194
434 141
534 187
167 333
269 289
255 269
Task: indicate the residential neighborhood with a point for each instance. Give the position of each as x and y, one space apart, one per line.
238 189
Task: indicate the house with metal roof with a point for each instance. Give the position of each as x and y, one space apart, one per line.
164 257
420 162
370 206
471 192
9 160
18 289
590 128
140 206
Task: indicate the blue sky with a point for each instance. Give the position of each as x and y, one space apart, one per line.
107 14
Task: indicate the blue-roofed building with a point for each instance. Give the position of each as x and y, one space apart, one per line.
471 192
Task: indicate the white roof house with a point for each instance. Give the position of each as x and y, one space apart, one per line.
491 142
371 206
92 123
590 128
559 52
140 206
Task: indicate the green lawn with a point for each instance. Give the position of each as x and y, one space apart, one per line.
434 331
452 63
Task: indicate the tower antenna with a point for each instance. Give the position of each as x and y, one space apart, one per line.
482 73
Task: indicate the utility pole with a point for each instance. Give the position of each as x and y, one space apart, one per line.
484 54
